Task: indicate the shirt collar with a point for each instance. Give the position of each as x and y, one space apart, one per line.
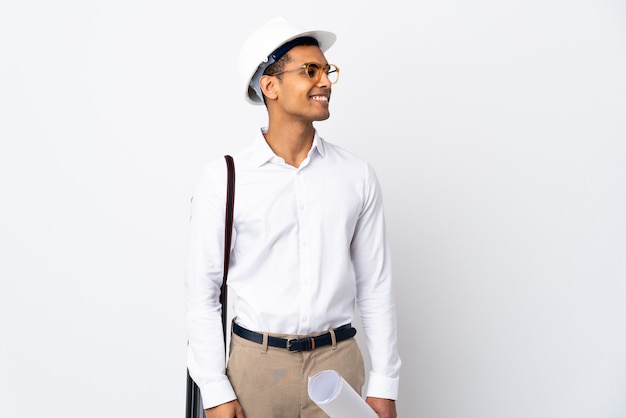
263 153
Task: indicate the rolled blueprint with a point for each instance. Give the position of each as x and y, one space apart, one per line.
336 397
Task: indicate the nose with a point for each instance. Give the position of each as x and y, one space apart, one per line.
324 80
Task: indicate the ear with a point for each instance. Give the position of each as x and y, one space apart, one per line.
269 87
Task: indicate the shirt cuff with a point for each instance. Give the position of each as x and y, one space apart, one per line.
382 387
217 393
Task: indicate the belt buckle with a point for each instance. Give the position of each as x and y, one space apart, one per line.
289 344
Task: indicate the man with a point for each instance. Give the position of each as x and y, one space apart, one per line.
308 243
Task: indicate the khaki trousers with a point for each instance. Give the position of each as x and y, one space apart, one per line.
273 382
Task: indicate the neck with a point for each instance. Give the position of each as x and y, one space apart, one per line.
291 141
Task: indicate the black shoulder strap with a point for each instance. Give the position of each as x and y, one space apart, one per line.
228 230
193 402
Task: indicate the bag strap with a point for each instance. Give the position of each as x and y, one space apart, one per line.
193 402
228 230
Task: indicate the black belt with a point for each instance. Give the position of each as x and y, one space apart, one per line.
296 344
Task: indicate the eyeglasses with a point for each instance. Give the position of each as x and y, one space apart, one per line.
314 71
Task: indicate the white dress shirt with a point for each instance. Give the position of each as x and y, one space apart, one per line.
308 243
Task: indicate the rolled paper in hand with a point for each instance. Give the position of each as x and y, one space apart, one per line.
336 397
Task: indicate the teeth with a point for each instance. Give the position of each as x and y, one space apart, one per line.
320 98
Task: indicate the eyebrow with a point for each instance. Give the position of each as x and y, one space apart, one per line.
313 62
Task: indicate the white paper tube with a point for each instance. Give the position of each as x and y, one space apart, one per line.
336 397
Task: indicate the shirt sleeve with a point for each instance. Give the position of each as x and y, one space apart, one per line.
206 358
375 300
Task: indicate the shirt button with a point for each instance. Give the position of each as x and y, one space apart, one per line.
304 319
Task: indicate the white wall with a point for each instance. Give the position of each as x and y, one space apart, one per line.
497 129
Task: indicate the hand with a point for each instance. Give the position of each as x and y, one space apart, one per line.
230 409
385 408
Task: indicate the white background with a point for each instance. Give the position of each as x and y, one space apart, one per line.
497 129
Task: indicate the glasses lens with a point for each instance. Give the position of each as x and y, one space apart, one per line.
312 70
333 73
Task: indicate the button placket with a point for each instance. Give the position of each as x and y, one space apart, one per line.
303 236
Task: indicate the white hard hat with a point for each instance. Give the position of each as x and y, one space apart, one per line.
257 50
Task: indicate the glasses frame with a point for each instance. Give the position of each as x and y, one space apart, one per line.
326 69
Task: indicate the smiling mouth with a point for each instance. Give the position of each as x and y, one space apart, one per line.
321 99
